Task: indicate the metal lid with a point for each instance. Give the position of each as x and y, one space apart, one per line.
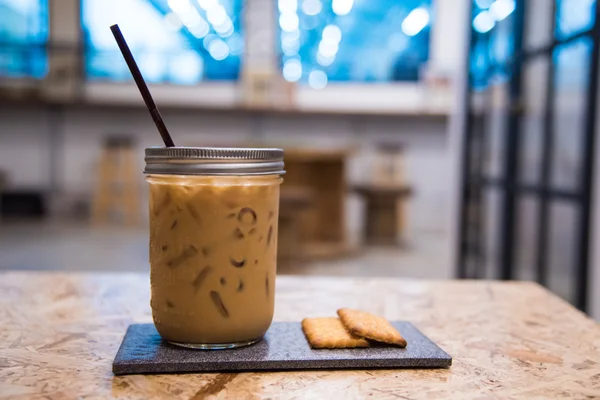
213 161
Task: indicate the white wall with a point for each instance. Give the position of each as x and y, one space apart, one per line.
456 127
24 150
25 154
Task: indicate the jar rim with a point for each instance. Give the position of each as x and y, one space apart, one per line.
214 161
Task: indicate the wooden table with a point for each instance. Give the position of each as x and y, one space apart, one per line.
59 333
322 229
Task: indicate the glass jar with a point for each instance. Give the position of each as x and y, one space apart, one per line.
213 243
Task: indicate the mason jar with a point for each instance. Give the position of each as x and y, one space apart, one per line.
213 243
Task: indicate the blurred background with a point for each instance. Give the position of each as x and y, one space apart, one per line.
424 138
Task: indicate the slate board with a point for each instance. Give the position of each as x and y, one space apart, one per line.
284 347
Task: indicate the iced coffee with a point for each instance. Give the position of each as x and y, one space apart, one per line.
213 250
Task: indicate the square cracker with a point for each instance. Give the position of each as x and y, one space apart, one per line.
370 326
329 333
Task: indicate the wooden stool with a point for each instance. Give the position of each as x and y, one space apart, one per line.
384 220
389 168
117 189
386 197
294 201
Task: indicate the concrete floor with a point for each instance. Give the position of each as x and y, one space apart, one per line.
62 246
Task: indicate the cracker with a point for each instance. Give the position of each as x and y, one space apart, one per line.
370 326
329 333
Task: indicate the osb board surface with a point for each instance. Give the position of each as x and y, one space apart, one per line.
59 333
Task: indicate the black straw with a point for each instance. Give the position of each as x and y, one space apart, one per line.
141 84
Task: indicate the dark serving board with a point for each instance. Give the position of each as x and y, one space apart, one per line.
284 347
